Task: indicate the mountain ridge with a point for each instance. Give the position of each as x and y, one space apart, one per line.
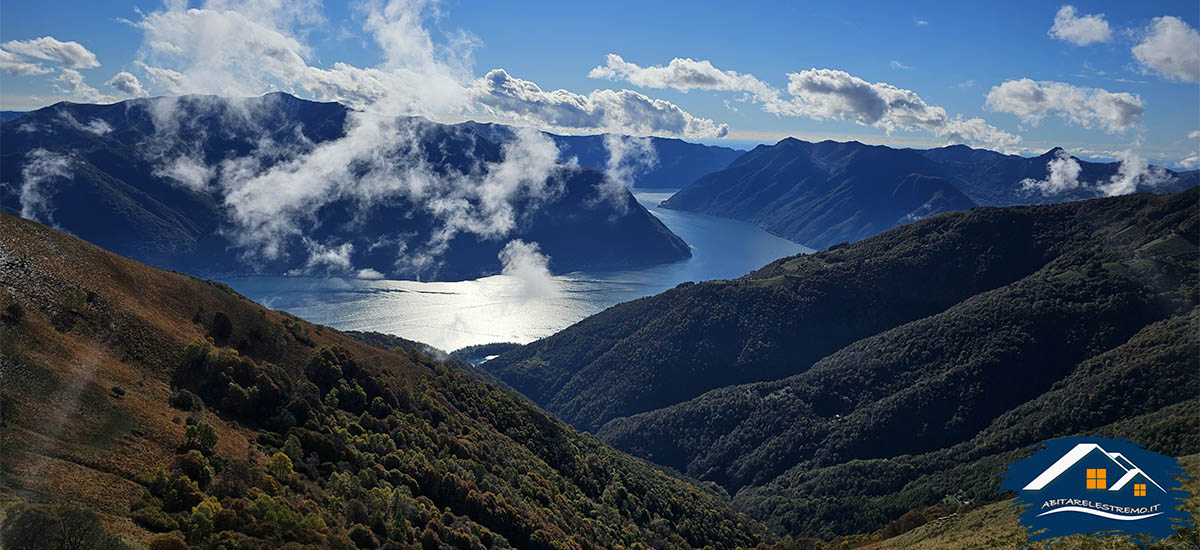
828 192
177 410
1086 304
97 168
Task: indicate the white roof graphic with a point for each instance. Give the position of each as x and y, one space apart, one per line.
1129 469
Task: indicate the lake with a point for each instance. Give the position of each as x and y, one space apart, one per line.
496 309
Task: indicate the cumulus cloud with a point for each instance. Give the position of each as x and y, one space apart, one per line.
1171 48
526 262
68 54
1088 107
627 157
326 258
1190 162
823 94
368 274
16 65
683 74
41 167
1079 30
1063 175
72 83
819 94
231 52
1134 172
623 111
127 84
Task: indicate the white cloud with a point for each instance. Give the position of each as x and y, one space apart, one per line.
1171 48
526 262
1079 30
368 274
72 83
94 126
627 156
623 111
16 65
41 167
272 195
832 94
920 22
68 54
127 84
819 94
98 127
898 65
1133 172
1190 162
683 74
325 258
1194 134
1088 107
188 171
1063 176
231 53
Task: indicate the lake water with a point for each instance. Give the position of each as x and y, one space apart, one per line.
497 308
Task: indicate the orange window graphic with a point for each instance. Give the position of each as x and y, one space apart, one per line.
1139 489
1096 478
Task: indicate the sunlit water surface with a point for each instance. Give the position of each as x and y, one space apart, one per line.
497 308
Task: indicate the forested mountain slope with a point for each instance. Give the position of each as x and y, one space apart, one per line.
176 409
175 182
821 194
900 369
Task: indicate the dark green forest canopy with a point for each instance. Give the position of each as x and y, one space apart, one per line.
832 392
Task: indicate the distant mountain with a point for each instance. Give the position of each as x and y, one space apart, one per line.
6 116
820 194
994 179
113 190
676 163
831 393
173 407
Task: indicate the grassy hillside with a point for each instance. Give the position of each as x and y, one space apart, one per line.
995 526
889 374
181 413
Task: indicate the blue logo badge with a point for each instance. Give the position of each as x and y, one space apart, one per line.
1098 486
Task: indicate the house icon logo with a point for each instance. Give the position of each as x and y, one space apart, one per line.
1091 485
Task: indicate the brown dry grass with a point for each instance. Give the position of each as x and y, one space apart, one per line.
70 438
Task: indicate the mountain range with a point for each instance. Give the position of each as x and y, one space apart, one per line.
170 411
821 194
670 164
830 393
138 178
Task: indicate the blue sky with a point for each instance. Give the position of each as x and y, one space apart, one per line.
949 55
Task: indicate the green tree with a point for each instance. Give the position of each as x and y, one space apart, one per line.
202 436
280 467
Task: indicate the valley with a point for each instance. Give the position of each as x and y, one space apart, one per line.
502 308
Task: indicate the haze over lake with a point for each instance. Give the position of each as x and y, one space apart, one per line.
451 315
